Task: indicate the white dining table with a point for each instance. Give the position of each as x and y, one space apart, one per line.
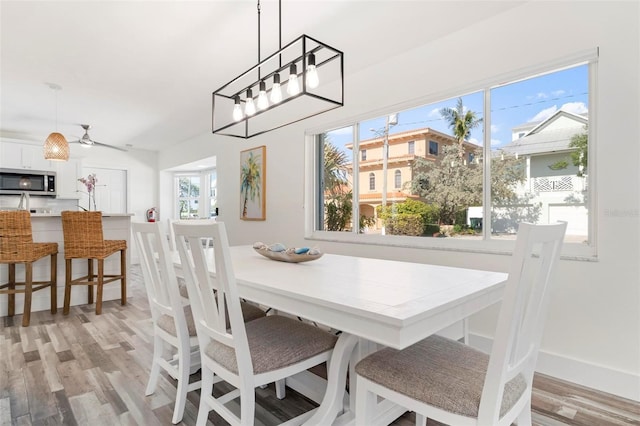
371 301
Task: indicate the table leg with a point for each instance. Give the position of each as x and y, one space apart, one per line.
332 403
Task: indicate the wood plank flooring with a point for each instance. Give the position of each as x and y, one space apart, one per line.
84 369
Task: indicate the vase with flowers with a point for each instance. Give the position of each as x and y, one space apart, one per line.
90 183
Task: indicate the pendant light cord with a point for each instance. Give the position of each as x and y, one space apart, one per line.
280 32
259 70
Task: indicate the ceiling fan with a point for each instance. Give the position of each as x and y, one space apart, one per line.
87 142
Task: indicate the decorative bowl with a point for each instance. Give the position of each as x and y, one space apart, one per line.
279 252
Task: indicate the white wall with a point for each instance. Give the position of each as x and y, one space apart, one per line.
142 176
593 331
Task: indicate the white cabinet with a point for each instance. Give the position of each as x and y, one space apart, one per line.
67 174
24 156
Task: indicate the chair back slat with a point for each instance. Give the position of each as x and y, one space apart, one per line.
209 308
523 312
158 272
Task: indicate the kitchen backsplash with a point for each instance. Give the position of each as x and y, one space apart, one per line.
39 204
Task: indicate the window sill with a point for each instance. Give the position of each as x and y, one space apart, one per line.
570 251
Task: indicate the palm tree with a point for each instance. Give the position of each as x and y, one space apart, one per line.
460 122
250 180
335 168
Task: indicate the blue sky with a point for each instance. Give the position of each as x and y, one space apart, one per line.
530 100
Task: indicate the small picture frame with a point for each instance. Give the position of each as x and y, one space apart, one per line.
253 179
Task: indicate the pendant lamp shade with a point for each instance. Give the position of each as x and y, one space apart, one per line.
56 147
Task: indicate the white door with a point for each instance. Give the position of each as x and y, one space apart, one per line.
110 191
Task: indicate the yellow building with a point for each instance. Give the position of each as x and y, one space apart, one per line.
404 147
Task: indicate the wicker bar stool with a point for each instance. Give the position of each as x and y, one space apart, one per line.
83 239
17 246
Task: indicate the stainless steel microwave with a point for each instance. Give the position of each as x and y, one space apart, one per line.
32 182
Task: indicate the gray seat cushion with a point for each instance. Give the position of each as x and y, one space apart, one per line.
166 323
438 371
275 342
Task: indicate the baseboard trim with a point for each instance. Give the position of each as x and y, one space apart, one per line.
605 379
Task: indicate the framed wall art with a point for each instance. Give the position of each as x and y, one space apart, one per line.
253 163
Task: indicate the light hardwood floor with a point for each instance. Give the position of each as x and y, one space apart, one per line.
84 369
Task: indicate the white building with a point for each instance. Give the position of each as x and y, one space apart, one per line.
552 183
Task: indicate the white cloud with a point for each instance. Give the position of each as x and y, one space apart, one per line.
544 114
541 95
475 141
575 107
496 142
495 128
434 113
557 93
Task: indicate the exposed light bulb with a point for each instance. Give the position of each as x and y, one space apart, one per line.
312 73
263 100
250 106
293 88
276 91
237 110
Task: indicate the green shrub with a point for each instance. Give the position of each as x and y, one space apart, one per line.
431 228
428 213
404 224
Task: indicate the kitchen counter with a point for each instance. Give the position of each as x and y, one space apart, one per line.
33 215
47 227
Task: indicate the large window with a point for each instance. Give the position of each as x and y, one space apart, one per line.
196 194
469 173
188 196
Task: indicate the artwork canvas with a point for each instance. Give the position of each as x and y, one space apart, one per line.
253 183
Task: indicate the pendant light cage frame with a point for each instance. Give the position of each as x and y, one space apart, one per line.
294 58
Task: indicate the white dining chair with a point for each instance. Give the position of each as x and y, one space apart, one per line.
452 383
247 355
171 314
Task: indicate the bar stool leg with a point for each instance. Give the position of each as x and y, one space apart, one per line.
11 297
54 283
67 287
123 280
90 278
28 282
100 283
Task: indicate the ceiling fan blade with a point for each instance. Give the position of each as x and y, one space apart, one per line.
108 146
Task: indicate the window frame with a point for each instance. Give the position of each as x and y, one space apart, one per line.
372 181
571 251
205 195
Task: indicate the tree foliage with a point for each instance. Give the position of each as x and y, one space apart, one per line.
460 122
453 186
338 206
447 183
580 156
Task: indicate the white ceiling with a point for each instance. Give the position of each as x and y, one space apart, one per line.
141 73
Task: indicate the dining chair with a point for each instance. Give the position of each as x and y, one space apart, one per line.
83 239
17 246
246 355
249 310
452 383
171 315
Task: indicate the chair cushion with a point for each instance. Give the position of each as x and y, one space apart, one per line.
440 372
250 312
275 342
166 323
